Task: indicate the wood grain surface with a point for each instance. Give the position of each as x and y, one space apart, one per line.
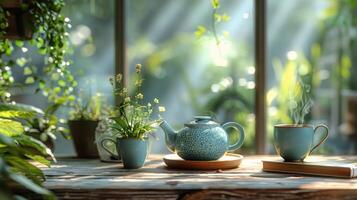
228 161
92 179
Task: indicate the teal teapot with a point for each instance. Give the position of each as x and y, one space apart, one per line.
202 139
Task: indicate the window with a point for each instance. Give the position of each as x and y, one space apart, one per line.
192 76
303 36
92 36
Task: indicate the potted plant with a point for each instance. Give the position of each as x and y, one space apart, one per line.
133 124
83 122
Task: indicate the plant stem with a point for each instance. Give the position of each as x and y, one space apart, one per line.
214 30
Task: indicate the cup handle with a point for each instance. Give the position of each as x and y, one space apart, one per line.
323 139
102 143
240 129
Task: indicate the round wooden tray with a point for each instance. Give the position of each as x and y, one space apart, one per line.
229 161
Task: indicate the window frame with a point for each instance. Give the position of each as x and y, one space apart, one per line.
259 57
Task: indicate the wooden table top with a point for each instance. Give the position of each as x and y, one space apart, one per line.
70 174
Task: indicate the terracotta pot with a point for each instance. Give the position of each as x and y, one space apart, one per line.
83 135
19 20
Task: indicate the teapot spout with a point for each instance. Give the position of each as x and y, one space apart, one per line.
170 135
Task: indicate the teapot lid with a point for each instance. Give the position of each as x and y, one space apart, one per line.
202 121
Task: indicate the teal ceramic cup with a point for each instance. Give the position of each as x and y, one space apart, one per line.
294 142
133 151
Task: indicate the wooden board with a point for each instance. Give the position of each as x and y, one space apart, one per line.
314 167
226 162
74 178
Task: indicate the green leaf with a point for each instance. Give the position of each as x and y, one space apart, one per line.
39 159
21 61
62 83
19 43
27 71
6 140
55 76
10 128
31 142
200 31
18 110
18 197
57 89
225 17
215 4
27 183
41 84
21 165
217 17
30 80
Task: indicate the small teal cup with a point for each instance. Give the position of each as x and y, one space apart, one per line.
133 151
295 142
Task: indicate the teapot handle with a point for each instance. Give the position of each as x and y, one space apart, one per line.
240 129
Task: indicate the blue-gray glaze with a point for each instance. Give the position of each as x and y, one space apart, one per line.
133 152
197 144
202 139
295 143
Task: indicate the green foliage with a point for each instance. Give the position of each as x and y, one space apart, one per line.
290 101
133 119
51 39
18 151
216 18
340 18
93 109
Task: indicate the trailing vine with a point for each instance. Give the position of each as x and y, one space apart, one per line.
54 81
51 39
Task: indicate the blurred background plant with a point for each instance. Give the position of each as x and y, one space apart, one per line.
91 108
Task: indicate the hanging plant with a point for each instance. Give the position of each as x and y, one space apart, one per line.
51 39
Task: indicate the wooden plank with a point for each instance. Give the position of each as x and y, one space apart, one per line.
95 175
91 179
247 194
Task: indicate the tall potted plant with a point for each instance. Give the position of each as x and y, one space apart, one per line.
133 124
83 122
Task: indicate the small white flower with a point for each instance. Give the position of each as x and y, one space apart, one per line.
156 100
162 109
139 96
138 68
127 99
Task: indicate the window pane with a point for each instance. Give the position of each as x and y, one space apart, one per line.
192 76
92 36
310 38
